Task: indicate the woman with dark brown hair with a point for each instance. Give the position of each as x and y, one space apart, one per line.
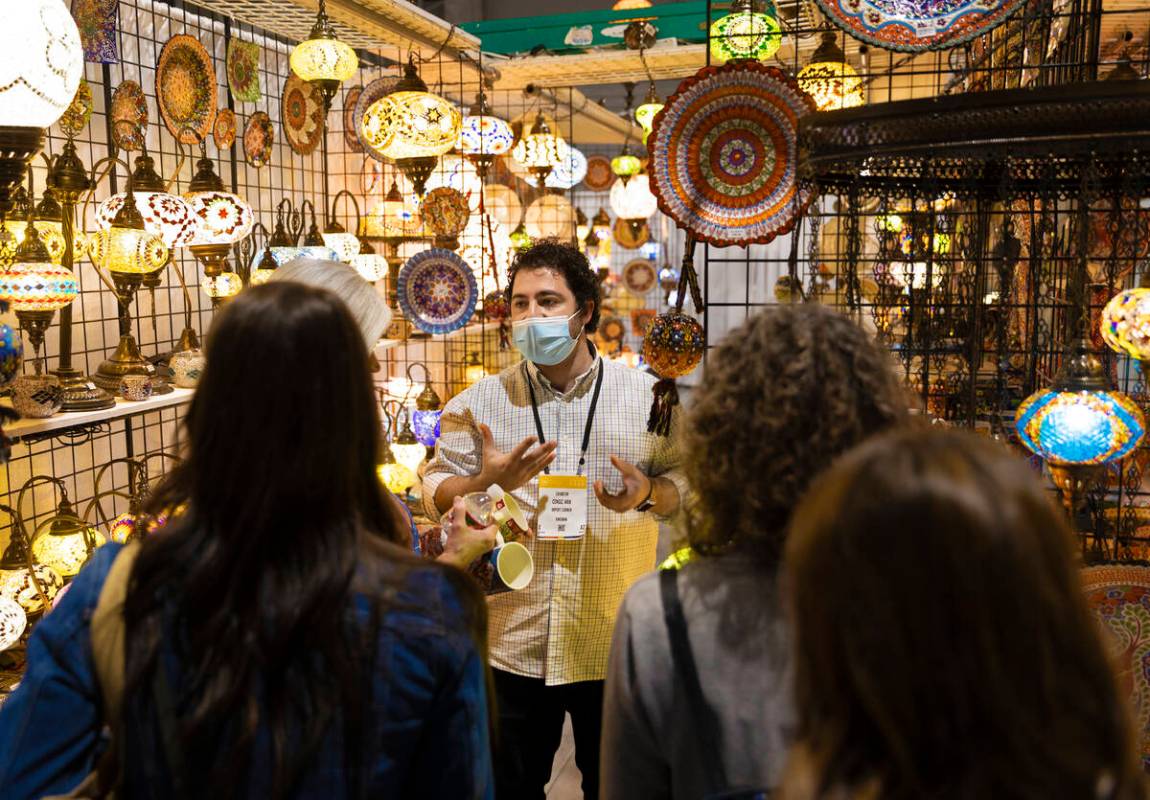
784 395
943 645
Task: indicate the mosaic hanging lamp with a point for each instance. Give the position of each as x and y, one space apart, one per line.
540 151
829 79
483 137
751 30
164 214
645 113
1080 424
322 58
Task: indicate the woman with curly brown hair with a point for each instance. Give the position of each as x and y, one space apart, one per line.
783 396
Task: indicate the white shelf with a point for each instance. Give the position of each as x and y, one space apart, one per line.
122 410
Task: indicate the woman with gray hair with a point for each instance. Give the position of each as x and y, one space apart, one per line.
371 314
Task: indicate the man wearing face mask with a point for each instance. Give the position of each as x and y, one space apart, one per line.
565 432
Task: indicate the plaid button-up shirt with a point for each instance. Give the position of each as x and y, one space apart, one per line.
559 628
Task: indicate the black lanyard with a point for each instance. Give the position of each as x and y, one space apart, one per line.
586 429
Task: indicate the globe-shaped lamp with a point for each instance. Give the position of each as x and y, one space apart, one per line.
540 150
633 199
751 30
1126 323
65 542
322 58
829 79
41 63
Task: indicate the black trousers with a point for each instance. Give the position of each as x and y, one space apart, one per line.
531 727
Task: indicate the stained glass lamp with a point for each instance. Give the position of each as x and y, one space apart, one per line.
520 238
1126 323
28 587
165 215
345 245
540 150
571 169
473 370
483 137
503 204
645 113
751 30
42 62
370 265
222 218
829 79
36 289
425 419
407 449
1080 424
65 542
412 127
222 287
633 200
323 59
626 165
550 216
601 225
265 268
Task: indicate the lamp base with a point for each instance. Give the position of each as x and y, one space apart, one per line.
81 393
1074 481
126 360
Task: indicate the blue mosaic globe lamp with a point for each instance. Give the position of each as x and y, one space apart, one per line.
1080 424
428 408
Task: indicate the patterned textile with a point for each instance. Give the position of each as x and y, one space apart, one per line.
1120 595
559 628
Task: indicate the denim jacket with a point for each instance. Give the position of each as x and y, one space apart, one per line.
430 731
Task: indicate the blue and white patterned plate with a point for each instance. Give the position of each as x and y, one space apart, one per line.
437 291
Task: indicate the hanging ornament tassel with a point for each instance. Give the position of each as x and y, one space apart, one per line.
504 334
689 278
662 409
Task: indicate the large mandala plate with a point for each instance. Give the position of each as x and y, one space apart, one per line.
912 26
186 89
437 291
724 154
1120 597
302 108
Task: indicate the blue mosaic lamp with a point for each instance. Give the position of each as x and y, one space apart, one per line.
425 418
1079 425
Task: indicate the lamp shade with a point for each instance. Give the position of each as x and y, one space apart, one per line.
370 265
345 245
571 169
425 424
396 477
550 217
411 122
284 255
41 63
222 286
633 199
626 165
221 217
539 151
324 60
51 235
129 251
66 543
1079 427
484 135
165 215
13 621
829 79
746 32
1126 323
16 584
39 286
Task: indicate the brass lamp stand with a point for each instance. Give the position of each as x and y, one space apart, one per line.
68 180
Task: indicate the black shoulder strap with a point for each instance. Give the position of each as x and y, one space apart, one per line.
684 666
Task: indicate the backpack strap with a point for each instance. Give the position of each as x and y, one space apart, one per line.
701 714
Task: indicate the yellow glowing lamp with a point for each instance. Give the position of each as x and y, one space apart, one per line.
540 151
751 30
322 58
370 265
346 245
264 269
19 584
407 450
65 542
473 370
645 114
126 246
397 477
829 79
625 165
222 286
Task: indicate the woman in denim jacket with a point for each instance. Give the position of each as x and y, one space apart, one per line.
300 648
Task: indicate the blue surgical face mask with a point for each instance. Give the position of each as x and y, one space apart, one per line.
544 340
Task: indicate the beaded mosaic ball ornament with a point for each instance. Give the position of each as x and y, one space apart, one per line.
673 347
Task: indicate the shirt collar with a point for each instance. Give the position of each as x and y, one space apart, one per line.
580 382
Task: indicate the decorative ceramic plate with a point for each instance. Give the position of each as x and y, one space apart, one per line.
1119 596
349 127
186 89
912 26
724 154
612 328
437 291
76 117
243 65
380 87
642 319
302 110
445 211
599 176
259 136
639 276
631 238
224 131
129 116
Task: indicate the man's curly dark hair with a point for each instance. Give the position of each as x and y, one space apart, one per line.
784 395
571 264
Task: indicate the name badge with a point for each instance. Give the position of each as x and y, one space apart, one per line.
562 507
